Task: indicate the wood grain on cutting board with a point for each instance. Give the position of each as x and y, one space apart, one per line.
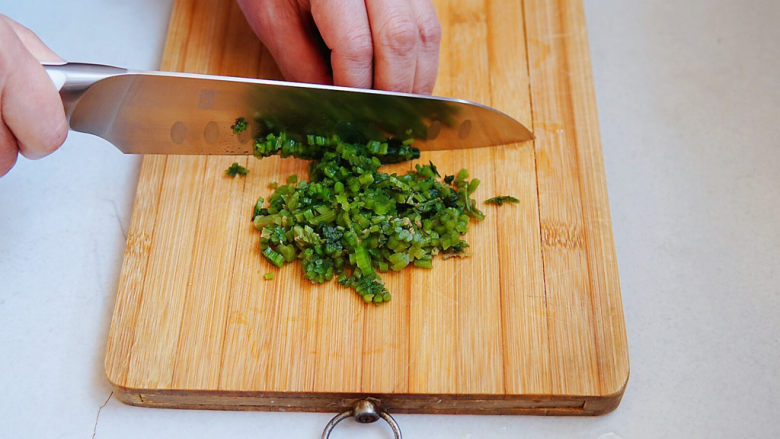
532 322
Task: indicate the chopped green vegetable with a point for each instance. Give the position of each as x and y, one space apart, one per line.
236 169
433 168
350 220
502 199
273 257
239 126
268 276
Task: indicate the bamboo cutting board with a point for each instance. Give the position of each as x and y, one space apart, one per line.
531 323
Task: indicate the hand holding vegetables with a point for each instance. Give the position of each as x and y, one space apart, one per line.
382 44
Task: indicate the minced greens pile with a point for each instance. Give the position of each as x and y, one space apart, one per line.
350 221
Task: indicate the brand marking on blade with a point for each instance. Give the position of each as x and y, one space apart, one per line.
206 99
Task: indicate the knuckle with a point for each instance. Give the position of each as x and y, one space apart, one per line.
358 46
430 31
399 35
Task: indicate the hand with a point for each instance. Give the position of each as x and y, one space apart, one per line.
32 120
384 44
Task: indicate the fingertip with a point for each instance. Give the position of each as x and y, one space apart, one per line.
51 138
39 121
59 133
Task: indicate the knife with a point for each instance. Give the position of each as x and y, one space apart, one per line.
149 112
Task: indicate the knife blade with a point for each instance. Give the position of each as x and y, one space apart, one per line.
149 112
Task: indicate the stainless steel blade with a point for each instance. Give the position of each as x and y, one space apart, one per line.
179 113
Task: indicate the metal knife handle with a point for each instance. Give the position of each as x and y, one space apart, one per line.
73 79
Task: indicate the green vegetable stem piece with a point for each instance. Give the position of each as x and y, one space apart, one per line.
502 199
273 257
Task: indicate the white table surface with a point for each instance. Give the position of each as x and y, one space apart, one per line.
689 102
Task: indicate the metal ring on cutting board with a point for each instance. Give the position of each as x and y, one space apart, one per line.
364 411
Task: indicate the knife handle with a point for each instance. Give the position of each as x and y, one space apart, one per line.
72 79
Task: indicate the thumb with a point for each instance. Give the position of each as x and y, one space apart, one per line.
29 103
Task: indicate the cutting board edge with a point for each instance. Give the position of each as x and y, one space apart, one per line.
474 404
